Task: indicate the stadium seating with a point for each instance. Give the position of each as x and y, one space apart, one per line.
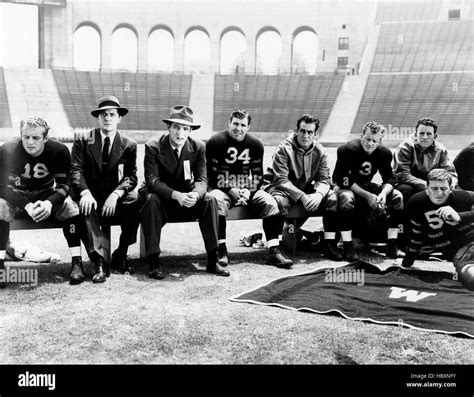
399 100
410 11
425 47
5 121
148 96
275 101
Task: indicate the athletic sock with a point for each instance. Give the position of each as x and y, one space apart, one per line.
272 226
4 234
71 232
222 228
346 235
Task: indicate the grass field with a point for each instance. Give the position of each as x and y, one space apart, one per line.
188 319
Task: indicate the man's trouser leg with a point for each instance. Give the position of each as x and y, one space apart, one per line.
95 241
153 218
207 213
127 216
224 202
265 205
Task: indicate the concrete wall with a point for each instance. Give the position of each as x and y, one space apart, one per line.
325 17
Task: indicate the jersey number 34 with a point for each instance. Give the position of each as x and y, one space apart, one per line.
233 155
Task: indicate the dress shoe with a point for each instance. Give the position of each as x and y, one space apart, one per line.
277 257
100 271
77 271
349 253
330 250
155 270
120 262
222 257
393 251
214 268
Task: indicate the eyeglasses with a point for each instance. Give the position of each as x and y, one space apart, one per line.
187 110
302 131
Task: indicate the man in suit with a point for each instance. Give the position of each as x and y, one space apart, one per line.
103 177
175 189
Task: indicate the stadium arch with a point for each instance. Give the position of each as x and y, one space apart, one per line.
274 58
87 56
161 48
124 39
198 61
300 61
229 46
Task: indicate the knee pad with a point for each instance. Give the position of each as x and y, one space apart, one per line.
331 203
68 209
466 276
395 200
7 212
284 204
346 200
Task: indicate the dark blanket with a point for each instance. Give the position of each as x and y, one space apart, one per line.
430 301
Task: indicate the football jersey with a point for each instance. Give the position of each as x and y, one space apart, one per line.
427 228
355 165
22 172
234 164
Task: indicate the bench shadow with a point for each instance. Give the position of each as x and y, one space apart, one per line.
176 267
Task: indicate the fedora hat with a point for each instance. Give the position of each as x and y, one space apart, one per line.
182 114
109 102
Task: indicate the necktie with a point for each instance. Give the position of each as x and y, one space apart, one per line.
105 154
176 154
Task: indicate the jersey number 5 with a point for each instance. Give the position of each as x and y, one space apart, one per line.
39 171
434 220
232 152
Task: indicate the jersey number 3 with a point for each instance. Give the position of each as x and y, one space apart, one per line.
232 152
39 171
365 168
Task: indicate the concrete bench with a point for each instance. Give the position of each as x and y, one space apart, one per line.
236 213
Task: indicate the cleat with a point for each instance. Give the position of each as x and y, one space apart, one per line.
330 250
393 252
349 253
77 271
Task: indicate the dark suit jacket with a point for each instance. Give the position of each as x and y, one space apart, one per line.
86 167
163 174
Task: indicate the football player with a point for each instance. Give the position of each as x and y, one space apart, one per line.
418 155
464 163
357 162
34 183
441 218
235 172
